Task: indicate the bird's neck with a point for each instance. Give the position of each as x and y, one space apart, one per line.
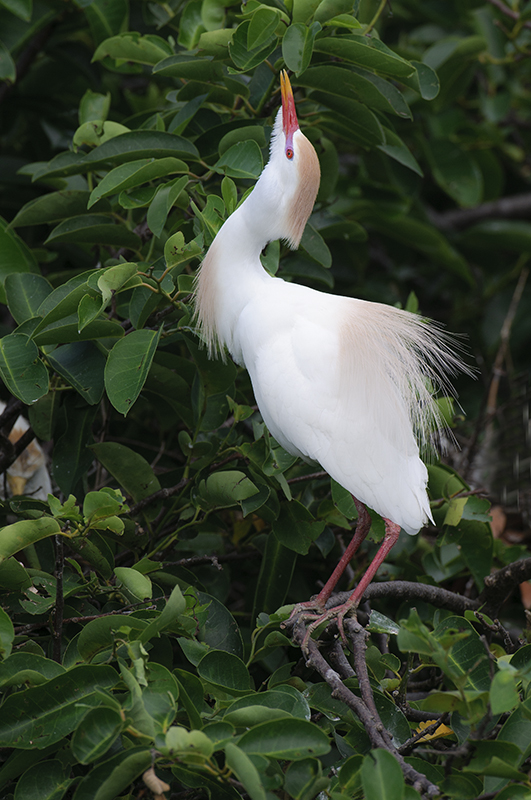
230 276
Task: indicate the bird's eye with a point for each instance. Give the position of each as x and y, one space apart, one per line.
289 153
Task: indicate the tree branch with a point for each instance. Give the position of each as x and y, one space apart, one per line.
518 205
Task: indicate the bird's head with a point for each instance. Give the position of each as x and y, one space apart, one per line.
292 175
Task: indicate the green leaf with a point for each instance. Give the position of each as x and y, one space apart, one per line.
225 489
8 69
82 365
130 469
98 732
246 59
138 585
503 693
517 731
21 369
100 634
304 9
499 234
242 160
456 172
27 668
275 576
175 606
21 8
395 148
94 106
109 779
191 25
130 46
71 457
243 712
20 534
335 90
296 528
15 256
25 291
45 714
288 739
220 631
135 173
226 671
314 244
46 780
297 46
381 776
127 367
94 229
366 52
245 771
185 66
162 202
7 633
263 24
304 778
55 206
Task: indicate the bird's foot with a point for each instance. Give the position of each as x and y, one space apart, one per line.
319 617
336 614
303 612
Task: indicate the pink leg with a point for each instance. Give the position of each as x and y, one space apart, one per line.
318 603
392 532
362 529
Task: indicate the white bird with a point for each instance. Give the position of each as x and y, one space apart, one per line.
28 475
339 381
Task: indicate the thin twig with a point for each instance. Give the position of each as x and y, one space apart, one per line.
59 599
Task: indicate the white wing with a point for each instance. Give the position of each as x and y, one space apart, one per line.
343 382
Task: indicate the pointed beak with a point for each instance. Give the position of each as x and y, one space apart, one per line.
289 116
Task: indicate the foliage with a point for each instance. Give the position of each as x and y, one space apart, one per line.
143 605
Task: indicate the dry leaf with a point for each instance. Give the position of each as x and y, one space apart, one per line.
442 730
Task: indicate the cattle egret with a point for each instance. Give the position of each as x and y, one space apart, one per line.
339 381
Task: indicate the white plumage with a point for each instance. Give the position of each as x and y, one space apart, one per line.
339 381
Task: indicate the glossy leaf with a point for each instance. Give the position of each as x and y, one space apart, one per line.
25 291
47 780
61 705
55 206
23 533
226 671
130 469
242 160
263 24
135 173
21 369
127 368
81 364
131 46
381 776
296 739
245 771
100 729
110 778
7 634
15 256
71 458
94 229
370 53
297 46
243 58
